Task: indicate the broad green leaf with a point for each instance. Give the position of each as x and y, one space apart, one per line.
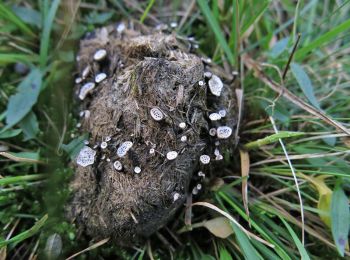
10 133
53 247
304 255
216 29
28 15
74 147
26 234
304 83
279 47
27 95
340 216
248 250
219 227
30 126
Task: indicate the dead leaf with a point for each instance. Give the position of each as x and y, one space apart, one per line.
219 227
98 244
245 165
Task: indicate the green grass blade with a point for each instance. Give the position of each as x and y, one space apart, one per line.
216 29
340 216
45 37
322 40
7 14
304 255
148 8
26 234
6 58
20 179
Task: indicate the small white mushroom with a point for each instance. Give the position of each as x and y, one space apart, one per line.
183 138
201 83
121 27
171 155
222 112
156 114
104 145
208 74
212 131
214 117
118 165
108 159
223 132
173 24
100 77
81 113
151 151
86 89
78 125
137 169
215 85
216 152
87 114
86 142
176 196
205 159
199 186
108 138
219 157
85 72
195 191
124 148
217 143
182 125
86 156
100 54
78 80
201 174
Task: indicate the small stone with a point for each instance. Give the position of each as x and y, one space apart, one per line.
223 132
137 169
100 77
103 145
212 131
183 138
100 54
156 114
205 159
171 155
182 125
86 156
86 89
214 117
215 85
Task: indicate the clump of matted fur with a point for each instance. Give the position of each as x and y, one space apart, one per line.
144 70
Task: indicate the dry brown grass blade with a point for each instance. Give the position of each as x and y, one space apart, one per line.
98 244
19 159
248 233
256 68
245 166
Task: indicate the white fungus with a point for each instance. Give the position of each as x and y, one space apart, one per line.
86 142
118 165
85 72
201 174
78 80
173 24
86 156
100 77
81 113
205 159
86 89
195 191
78 125
103 145
137 169
201 83
108 138
223 132
219 157
183 138
100 54
199 186
212 131
151 151
87 114
176 196
215 85
121 27
222 112
124 148
108 159
182 125
156 114
171 155
208 74
214 117
216 152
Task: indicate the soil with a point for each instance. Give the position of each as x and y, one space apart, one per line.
145 69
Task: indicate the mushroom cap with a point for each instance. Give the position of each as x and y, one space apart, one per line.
100 77
215 85
118 165
156 114
124 148
86 156
223 132
86 89
222 112
214 117
182 125
104 145
205 159
171 155
212 131
137 169
100 54
183 138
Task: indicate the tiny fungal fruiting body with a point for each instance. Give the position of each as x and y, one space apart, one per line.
171 155
156 114
215 85
100 54
204 159
86 89
100 77
224 132
86 156
124 148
